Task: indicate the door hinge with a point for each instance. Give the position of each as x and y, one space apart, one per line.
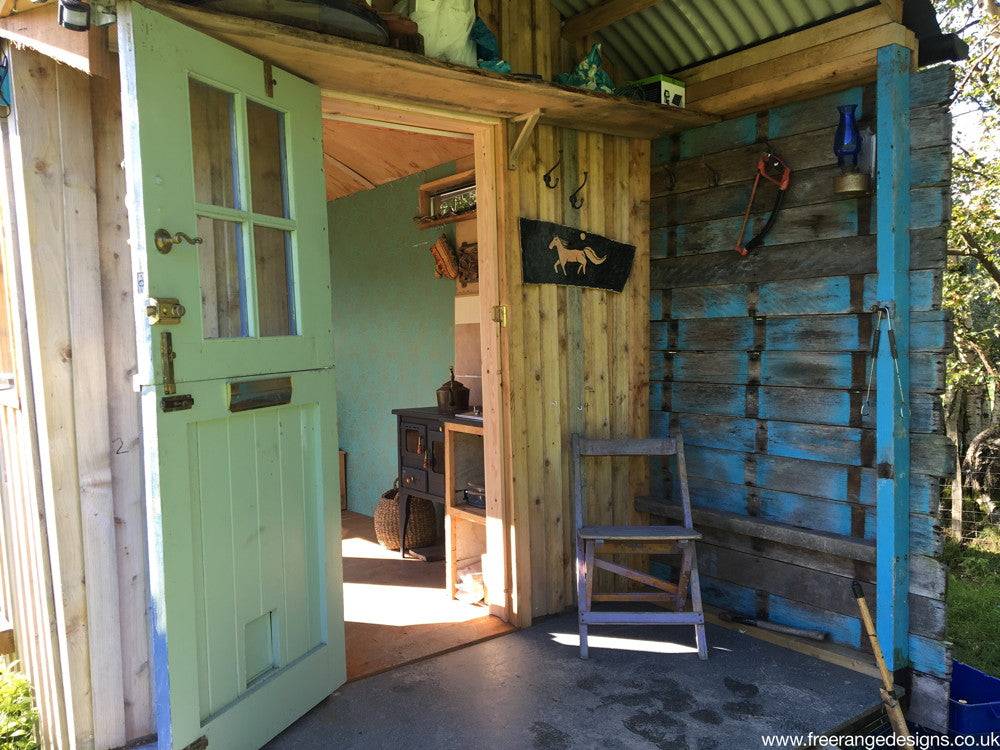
500 315
269 80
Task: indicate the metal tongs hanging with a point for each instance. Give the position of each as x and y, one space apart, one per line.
772 168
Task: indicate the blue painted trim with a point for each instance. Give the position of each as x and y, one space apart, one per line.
892 428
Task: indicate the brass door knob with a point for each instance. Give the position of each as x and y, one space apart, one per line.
165 241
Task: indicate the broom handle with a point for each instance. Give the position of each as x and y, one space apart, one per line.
888 690
866 619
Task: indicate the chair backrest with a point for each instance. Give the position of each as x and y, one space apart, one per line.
628 447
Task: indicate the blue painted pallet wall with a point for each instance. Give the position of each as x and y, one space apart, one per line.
762 361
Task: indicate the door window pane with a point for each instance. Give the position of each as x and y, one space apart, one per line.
275 291
213 138
266 128
222 267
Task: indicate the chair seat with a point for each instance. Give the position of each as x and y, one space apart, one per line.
639 533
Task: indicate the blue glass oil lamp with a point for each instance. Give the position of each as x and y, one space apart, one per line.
847 142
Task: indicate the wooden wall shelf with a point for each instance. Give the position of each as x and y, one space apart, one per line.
428 190
425 223
342 66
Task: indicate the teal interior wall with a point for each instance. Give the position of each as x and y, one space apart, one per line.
393 328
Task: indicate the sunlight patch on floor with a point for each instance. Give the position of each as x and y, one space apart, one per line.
400 606
623 644
360 547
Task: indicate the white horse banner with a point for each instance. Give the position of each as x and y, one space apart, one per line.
554 254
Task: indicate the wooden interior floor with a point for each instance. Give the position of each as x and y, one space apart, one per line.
397 611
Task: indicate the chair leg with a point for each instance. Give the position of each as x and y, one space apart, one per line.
699 629
684 580
581 594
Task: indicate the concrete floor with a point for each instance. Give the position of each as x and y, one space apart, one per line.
529 689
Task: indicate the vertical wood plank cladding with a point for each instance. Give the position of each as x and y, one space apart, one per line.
26 563
638 233
533 368
123 406
584 359
552 386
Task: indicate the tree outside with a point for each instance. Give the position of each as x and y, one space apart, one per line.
971 503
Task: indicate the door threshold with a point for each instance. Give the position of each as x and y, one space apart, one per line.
424 657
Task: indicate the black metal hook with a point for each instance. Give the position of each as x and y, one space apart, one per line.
552 182
715 176
574 201
671 176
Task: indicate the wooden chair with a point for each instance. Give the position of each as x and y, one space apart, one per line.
590 540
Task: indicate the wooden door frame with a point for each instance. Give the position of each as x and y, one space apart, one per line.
492 224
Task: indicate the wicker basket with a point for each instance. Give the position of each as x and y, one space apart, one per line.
421 531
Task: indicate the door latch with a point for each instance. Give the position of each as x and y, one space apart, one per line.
165 311
171 401
181 402
167 357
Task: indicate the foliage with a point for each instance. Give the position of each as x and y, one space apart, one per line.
972 280
18 717
974 600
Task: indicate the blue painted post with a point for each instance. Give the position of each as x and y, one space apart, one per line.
892 412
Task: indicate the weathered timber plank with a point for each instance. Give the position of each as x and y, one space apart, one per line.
815 478
812 587
820 333
929 697
787 404
931 453
834 547
714 137
810 114
809 187
838 555
800 260
804 151
932 86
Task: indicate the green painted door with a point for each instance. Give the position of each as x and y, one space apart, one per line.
243 513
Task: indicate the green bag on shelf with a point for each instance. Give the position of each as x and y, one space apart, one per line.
589 74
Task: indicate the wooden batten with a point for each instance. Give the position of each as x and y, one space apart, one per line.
831 56
601 15
38 29
123 421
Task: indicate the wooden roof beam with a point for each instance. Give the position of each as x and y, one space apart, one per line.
349 170
601 15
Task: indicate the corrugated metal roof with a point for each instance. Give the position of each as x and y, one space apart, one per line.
675 34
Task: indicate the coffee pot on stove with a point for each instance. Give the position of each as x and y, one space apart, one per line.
452 396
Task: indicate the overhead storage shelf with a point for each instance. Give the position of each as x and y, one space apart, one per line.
354 68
